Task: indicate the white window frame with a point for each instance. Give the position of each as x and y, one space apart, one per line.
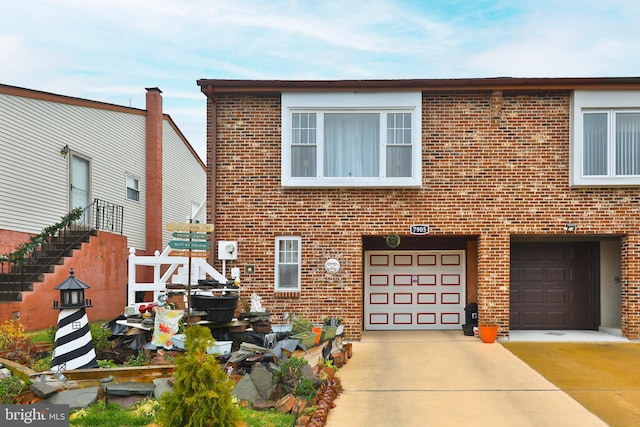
610 102
126 183
353 102
279 288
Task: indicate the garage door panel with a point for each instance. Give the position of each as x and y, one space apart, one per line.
557 296
426 318
551 285
402 298
379 280
379 318
579 296
556 318
556 275
532 296
450 279
402 319
450 298
427 298
402 280
378 298
402 260
427 280
406 277
534 318
532 274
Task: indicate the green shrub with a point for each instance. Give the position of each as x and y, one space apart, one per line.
201 394
100 334
11 388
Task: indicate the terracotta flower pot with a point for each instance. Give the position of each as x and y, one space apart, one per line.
488 333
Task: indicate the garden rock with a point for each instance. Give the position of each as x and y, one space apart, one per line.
4 373
162 386
246 390
42 390
263 381
76 399
130 388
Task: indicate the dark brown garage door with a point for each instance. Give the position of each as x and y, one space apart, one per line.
552 285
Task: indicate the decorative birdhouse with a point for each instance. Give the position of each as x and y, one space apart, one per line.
72 293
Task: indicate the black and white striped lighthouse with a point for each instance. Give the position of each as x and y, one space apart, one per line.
73 347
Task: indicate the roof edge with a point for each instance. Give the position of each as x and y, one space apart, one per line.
211 86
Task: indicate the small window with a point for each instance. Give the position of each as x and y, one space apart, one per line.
288 269
133 189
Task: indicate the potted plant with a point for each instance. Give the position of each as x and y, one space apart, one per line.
488 331
487 326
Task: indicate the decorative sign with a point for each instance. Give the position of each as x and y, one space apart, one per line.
185 244
393 240
196 236
184 226
419 230
192 254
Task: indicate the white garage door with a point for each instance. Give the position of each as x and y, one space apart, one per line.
414 290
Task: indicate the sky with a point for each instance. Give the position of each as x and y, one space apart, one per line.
111 50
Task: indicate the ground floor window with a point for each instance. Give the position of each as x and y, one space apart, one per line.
287 265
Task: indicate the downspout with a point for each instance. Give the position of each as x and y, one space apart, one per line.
212 159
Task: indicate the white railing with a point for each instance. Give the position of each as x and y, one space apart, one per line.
176 271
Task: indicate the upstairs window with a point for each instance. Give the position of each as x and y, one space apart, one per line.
605 144
351 140
133 188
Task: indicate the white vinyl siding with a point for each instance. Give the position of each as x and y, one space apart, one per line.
351 139
605 138
36 176
183 180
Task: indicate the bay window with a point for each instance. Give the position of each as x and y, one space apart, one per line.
351 140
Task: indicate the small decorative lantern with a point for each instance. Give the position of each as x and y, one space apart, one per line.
73 347
72 293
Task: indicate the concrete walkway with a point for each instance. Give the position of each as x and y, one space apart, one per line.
443 378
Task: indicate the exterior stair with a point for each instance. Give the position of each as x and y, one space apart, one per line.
21 278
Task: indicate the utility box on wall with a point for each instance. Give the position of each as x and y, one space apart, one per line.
227 250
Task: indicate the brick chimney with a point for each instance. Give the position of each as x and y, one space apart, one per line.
154 170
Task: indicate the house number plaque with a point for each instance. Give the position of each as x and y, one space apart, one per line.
419 229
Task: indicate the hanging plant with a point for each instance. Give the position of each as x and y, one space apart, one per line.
393 240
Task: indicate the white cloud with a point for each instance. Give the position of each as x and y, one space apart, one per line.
110 50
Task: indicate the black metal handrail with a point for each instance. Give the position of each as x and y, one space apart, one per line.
18 272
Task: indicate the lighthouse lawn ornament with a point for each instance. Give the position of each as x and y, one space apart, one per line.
73 347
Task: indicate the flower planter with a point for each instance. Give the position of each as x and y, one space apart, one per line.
308 339
328 332
488 333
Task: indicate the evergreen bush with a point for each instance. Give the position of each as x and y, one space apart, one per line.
201 394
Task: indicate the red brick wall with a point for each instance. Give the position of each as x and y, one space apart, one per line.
494 165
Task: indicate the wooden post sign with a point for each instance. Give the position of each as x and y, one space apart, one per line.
195 235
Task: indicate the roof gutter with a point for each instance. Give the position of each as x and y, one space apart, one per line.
426 85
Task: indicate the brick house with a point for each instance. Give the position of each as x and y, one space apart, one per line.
61 153
395 203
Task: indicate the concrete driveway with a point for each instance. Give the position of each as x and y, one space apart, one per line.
443 378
